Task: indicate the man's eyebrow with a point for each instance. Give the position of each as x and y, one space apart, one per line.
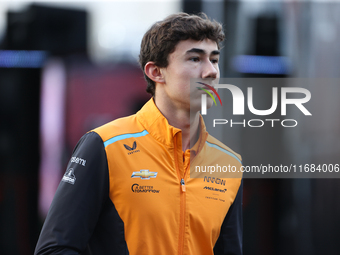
201 51
215 52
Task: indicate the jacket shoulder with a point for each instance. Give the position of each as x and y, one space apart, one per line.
213 142
121 126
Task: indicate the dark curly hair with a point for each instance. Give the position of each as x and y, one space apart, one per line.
161 39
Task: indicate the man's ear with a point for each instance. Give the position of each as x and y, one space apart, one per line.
154 72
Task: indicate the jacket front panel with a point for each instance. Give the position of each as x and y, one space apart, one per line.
129 189
142 185
147 170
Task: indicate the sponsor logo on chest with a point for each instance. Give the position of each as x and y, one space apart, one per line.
144 174
132 149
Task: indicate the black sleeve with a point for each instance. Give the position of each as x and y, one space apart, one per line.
230 239
78 201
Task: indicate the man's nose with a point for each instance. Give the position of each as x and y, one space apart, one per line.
210 70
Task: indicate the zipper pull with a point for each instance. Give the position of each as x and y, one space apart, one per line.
183 185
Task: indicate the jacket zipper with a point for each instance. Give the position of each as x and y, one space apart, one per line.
183 185
182 203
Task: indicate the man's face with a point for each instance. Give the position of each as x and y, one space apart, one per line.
191 59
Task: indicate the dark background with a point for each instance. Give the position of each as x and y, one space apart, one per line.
281 216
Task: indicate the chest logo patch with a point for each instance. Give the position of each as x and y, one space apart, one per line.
134 146
132 149
144 174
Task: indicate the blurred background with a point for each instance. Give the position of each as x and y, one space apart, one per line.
69 66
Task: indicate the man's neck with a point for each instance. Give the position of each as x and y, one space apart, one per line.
182 119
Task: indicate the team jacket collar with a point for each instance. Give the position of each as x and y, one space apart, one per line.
158 126
201 140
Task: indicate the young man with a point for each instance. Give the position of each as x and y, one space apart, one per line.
128 189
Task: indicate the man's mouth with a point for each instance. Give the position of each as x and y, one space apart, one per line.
207 87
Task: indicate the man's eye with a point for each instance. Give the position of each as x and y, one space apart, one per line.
214 61
195 59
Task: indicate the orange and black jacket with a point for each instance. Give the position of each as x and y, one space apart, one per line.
128 189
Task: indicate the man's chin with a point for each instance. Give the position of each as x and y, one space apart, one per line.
195 105
210 103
